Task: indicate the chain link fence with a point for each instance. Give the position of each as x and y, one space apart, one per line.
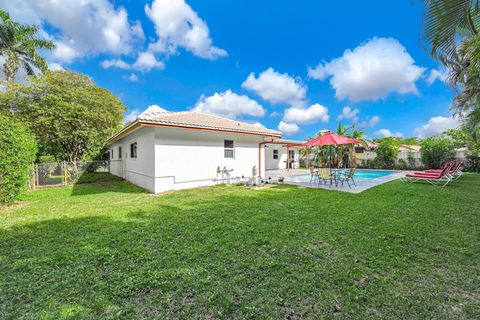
54 174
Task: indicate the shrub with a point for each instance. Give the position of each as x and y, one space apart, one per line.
47 159
17 152
473 163
436 151
387 152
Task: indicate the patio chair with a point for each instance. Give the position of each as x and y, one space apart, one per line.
347 177
440 179
325 175
313 174
455 172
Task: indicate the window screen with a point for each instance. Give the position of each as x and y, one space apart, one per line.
229 149
275 154
133 150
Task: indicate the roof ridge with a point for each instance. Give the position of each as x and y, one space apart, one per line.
225 118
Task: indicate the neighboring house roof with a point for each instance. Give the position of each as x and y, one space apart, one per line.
411 148
195 120
371 145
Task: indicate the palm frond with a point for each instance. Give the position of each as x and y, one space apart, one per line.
19 44
444 21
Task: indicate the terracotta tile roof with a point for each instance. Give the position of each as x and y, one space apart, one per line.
412 148
194 119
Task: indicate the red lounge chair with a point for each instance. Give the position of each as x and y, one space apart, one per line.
437 179
455 172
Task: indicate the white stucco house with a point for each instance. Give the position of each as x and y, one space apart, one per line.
164 151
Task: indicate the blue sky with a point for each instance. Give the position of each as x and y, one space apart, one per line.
296 66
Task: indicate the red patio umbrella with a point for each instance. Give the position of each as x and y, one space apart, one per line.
330 139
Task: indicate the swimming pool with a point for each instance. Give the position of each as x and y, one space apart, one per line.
360 175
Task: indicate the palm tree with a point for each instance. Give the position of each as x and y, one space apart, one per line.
444 21
450 32
19 45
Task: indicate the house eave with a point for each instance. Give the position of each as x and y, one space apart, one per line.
142 123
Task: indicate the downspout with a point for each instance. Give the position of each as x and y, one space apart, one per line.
260 155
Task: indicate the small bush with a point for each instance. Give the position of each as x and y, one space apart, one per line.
472 163
17 152
436 151
46 159
387 152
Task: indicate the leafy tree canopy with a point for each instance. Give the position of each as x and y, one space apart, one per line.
71 116
387 151
460 137
437 150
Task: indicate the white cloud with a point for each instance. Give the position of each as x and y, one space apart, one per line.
229 104
84 27
147 61
65 52
387 133
153 109
116 63
370 122
288 128
371 71
276 87
144 62
349 113
274 114
132 116
177 25
436 125
55 66
435 75
373 121
133 77
312 114
258 124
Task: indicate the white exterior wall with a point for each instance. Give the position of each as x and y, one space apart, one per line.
280 163
403 155
140 170
190 158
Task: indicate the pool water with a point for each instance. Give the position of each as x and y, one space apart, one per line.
360 175
370 174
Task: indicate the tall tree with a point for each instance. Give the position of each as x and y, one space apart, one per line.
445 22
71 116
450 33
19 47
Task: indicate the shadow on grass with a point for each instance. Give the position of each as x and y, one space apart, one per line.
102 182
227 252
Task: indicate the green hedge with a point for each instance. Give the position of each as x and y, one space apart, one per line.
437 150
17 152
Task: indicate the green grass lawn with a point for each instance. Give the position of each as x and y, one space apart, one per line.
105 249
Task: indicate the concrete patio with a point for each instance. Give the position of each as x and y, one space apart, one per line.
301 178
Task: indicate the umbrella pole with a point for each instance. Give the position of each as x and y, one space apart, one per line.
331 165
308 156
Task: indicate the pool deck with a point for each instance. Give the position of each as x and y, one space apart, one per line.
291 177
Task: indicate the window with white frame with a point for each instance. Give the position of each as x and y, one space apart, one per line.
133 150
229 149
275 154
119 152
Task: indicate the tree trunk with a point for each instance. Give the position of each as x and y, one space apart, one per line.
9 76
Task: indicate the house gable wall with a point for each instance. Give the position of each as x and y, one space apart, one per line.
191 158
